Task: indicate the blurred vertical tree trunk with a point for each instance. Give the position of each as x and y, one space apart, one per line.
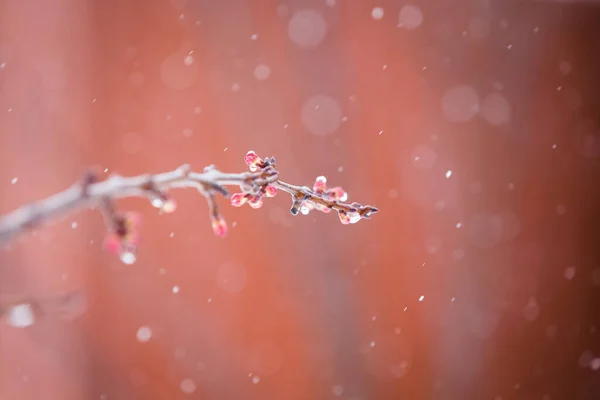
45 102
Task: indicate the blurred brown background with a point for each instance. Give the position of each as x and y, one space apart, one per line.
472 125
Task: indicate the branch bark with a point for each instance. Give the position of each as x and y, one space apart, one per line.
262 180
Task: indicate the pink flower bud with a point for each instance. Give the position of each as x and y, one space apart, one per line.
255 202
219 226
344 218
112 243
338 193
238 199
270 191
253 160
251 157
320 184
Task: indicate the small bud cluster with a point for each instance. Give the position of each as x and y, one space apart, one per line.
124 239
124 236
255 200
330 195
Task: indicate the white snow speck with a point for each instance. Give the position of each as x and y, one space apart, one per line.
564 67
262 72
410 17
377 13
337 390
20 316
460 103
569 273
128 257
496 109
144 334
307 28
187 386
321 115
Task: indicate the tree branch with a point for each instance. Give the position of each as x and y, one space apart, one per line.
262 181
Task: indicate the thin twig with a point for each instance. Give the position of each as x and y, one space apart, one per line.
303 193
73 199
262 181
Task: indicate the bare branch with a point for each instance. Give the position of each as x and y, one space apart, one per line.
304 194
116 187
262 181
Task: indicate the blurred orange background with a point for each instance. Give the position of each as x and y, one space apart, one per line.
471 125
